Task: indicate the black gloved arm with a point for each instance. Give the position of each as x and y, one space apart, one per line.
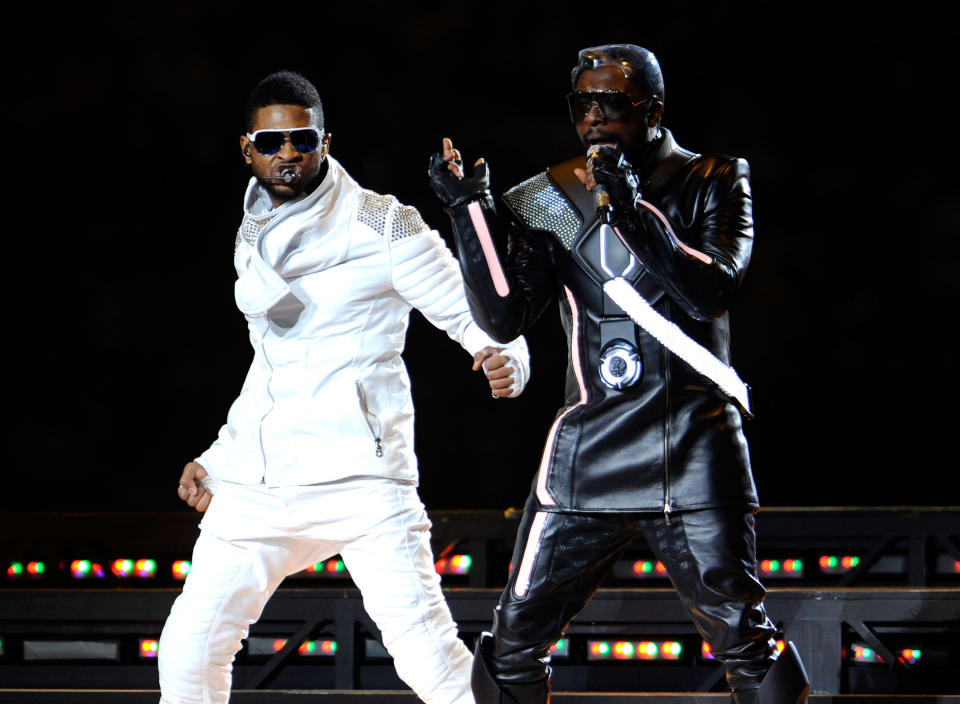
700 275
501 299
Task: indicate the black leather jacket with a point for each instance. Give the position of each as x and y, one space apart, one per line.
671 441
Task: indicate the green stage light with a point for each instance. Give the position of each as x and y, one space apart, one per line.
454 564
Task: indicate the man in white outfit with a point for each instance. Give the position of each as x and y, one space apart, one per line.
316 458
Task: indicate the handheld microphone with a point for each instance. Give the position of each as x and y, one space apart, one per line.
287 176
601 196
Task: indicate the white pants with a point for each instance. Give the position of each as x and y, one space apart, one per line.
252 537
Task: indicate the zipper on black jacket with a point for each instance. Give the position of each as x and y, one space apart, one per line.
367 416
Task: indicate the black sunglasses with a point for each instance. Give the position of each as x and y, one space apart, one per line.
268 142
612 104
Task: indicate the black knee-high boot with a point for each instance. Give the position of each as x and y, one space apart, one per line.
785 683
486 688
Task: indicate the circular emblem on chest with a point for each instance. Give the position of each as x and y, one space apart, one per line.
620 365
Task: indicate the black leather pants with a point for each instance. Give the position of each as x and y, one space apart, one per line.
561 558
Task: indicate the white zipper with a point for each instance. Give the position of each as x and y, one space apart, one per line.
368 417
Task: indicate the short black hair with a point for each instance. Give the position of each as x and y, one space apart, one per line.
639 65
284 88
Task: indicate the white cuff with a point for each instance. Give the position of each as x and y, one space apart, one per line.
211 482
519 357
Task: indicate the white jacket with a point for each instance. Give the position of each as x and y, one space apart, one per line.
326 283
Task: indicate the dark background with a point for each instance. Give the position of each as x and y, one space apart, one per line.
125 349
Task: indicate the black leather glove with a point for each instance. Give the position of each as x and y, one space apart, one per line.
614 173
453 191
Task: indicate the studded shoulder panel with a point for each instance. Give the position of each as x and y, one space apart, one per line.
542 206
406 221
373 209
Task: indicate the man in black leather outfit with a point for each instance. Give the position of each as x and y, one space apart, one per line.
644 444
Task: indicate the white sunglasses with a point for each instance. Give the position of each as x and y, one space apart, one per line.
303 139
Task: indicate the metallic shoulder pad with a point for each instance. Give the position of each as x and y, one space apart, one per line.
540 205
406 221
373 210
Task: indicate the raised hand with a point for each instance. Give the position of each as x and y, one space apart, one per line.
450 183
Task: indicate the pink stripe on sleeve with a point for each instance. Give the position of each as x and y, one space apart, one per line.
489 251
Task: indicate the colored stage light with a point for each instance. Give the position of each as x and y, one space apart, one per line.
123 568
149 647
455 564
30 570
318 647
180 569
643 569
791 567
85 569
328 568
2 652
862 653
833 564
663 650
598 650
560 649
309 647
910 655
145 569
634 650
